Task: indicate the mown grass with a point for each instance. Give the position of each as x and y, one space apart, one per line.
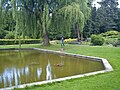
106 81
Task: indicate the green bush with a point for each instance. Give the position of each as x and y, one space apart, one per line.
97 40
111 37
117 43
10 35
23 41
112 41
111 34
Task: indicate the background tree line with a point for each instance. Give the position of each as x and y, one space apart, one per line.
50 19
103 19
42 18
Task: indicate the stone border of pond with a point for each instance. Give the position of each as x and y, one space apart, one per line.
106 64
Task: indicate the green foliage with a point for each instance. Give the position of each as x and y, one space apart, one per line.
10 35
111 37
111 34
103 19
117 43
118 20
36 18
23 41
97 40
2 33
71 15
111 41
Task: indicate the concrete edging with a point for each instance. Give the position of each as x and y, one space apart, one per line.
106 64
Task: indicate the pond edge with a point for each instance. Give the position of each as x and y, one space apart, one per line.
106 64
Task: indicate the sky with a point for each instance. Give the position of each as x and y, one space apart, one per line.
97 5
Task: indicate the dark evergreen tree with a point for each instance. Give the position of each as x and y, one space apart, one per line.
107 15
90 27
6 20
118 20
103 19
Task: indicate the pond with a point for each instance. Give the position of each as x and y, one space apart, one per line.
26 66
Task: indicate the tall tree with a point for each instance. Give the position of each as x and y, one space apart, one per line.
90 25
73 15
0 15
118 20
6 21
108 13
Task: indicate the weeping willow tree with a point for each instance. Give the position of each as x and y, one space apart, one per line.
18 16
45 23
64 13
35 12
73 14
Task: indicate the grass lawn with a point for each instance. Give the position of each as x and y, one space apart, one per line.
106 81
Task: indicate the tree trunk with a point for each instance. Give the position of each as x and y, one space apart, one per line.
45 26
81 38
78 34
46 39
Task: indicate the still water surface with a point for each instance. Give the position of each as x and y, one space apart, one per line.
26 66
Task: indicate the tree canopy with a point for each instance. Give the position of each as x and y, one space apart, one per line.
36 18
51 19
103 19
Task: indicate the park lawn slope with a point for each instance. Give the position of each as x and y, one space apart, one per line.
106 81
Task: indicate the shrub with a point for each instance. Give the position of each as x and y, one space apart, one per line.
12 41
117 43
10 35
111 37
112 41
97 40
111 34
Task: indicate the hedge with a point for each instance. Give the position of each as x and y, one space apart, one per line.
23 41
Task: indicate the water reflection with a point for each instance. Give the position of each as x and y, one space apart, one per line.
33 66
13 76
48 72
26 71
0 79
7 77
39 72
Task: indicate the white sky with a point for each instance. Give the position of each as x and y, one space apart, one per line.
97 5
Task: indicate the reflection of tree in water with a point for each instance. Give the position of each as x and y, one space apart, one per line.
15 76
48 72
17 58
39 72
0 79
